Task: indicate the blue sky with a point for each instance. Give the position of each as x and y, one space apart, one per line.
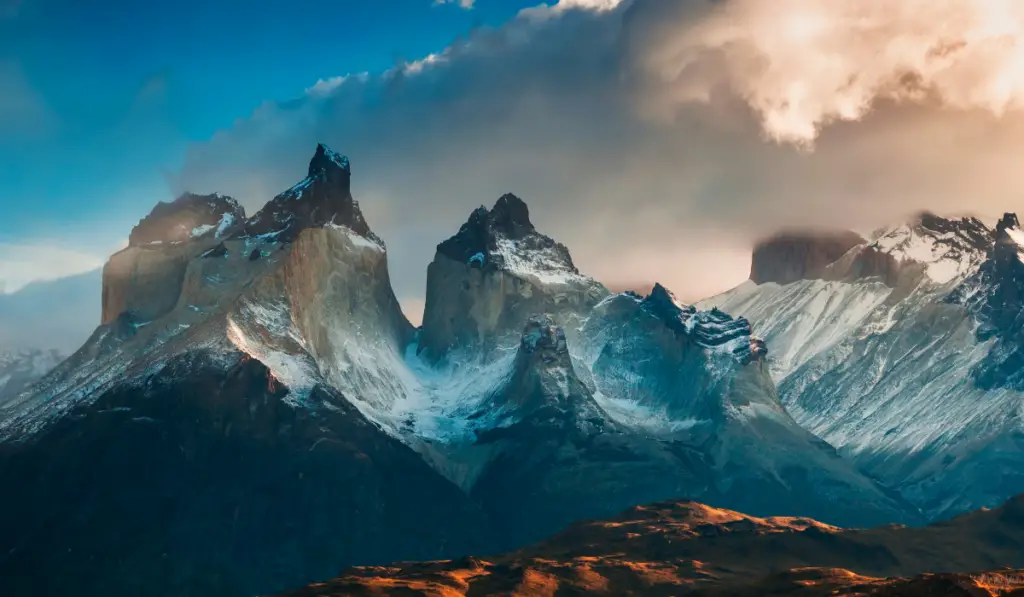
102 98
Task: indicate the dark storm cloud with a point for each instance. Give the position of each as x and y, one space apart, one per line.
657 139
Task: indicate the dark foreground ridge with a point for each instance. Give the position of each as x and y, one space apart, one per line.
687 548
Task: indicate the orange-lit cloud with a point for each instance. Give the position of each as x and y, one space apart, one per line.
802 64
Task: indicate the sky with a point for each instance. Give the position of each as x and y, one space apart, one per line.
658 139
99 100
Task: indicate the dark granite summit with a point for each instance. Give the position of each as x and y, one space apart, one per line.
792 256
323 197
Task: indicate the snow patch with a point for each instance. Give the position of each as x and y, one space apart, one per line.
543 265
226 221
943 255
338 159
201 230
263 334
1017 236
357 240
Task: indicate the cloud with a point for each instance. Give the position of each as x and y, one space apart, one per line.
659 138
21 264
467 4
802 64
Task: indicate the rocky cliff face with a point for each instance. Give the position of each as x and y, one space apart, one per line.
490 278
995 293
145 279
911 377
698 380
554 455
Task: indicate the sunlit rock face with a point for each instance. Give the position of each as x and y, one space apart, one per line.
490 278
909 367
145 279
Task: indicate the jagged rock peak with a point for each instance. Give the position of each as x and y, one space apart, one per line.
714 329
187 217
511 216
323 197
1009 221
503 238
545 341
947 249
326 160
794 255
1009 240
995 293
969 231
544 378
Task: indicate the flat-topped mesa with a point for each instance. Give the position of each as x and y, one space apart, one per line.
487 280
323 197
791 256
188 217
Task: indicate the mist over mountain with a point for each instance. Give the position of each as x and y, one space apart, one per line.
58 314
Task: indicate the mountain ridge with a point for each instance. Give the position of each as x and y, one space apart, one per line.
687 548
908 371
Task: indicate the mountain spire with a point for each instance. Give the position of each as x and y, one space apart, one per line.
323 197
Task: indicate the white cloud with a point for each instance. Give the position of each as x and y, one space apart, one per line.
467 4
660 138
21 264
802 64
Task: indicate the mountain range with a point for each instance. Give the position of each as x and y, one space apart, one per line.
255 412
903 351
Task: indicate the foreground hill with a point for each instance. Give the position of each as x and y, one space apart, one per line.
690 549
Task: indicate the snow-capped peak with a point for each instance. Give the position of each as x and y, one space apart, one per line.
323 196
503 238
948 249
